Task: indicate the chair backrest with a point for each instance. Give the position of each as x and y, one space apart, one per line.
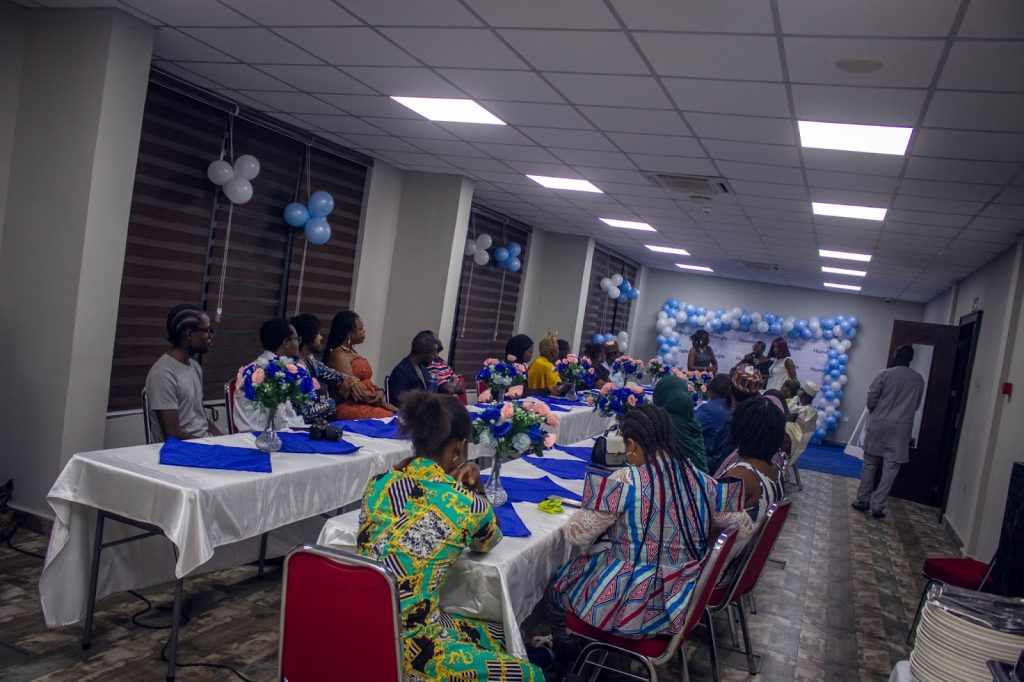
387 388
229 404
761 548
339 618
147 425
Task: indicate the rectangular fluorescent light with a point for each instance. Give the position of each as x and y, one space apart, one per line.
847 211
844 271
849 137
850 287
667 249
845 255
698 268
565 183
628 225
451 110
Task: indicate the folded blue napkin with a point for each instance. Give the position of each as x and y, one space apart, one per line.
201 456
508 520
570 469
302 443
534 489
556 400
581 451
372 428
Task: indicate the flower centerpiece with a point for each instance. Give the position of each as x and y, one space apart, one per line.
629 369
270 382
575 370
616 402
513 430
696 381
499 378
658 370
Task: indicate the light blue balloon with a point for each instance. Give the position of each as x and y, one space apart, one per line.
513 264
321 204
318 231
689 308
853 320
702 311
852 334
500 254
843 358
514 249
845 326
597 338
806 334
827 333
775 328
665 348
632 294
661 339
745 319
673 303
296 214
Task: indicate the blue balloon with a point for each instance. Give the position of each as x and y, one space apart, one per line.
513 264
833 363
852 334
844 358
665 348
673 303
845 326
719 312
838 416
826 333
833 353
320 204
701 311
622 298
295 214
661 339
830 423
853 320
716 325
793 333
806 334
840 319
744 327
318 231
829 395
500 254
839 394
597 338
689 308
744 319
775 328
514 249
835 373
820 433
632 294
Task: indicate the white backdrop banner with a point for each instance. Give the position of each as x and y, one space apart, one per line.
809 356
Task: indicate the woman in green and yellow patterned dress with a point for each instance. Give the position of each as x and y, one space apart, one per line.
417 519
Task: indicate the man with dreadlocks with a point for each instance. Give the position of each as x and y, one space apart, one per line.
653 517
174 385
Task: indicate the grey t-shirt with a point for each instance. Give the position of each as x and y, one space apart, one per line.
170 385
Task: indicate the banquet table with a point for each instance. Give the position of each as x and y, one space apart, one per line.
505 584
576 424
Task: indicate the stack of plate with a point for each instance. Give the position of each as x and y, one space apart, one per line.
950 646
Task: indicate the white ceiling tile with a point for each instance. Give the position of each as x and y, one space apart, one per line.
974 65
237 76
636 121
761 173
253 45
170 43
768 189
948 190
744 128
868 17
761 215
794 205
935 204
578 14
293 102
851 197
507 179
447 147
404 82
995 225
621 177
728 16
544 115
595 159
189 12
895 227
977 111
511 152
348 46
318 79
456 47
956 170
729 97
901 215
646 202
409 127
385 143
873 106
369 105
577 51
752 152
992 19
866 183
474 163
185 74
293 12
962 144
712 56
674 164
341 124
562 137
907 63
473 132
1007 211
513 86
657 144
1011 195
555 170
419 13
853 162
634 91
419 160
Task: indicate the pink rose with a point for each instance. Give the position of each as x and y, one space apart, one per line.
549 441
510 358
571 359
490 362
316 385
292 368
631 400
606 389
591 400
514 392
542 409
590 371
520 367
485 396
552 420
258 376
507 411
531 404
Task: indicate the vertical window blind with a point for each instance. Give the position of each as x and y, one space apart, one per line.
602 313
488 300
177 232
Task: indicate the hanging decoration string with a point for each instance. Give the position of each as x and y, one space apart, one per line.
501 292
604 310
305 242
469 282
227 233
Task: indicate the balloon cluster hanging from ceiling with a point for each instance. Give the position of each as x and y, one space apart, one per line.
505 257
235 180
619 289
312 216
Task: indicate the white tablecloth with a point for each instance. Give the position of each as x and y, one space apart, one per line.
579 423
506 583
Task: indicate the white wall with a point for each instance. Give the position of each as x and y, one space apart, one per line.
867 357
560 290
82 89
940 309
12 45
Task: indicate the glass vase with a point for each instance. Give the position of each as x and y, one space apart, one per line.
269 441
498 393
571 395
493 489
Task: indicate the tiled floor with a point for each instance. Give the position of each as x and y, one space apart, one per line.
839 611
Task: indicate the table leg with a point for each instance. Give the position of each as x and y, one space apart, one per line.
263 556
90 604
172 655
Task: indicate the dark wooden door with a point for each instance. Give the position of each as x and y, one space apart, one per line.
923 479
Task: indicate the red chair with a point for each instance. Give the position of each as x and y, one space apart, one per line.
963 572
748 573
654 651
462 394
229 404
339 618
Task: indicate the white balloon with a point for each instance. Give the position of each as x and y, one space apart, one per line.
726 318
837 331
247 166
606 284
736 312
470 247
238 190
623 346
484 241
830 410
481 257
818 333
836 386
617 279
702 320
834 344
681 317
846 344
220 172
675 335
614 292
671 323
836 402
763 326
813 324
735 324
787 326
661 325
622 336
755 317
662 314
843 379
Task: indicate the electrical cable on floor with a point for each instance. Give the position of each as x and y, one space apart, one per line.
10 543
219 666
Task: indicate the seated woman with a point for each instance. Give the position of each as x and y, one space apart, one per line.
365 399
519 349
653 516
417 518
673 395
595 353
542 374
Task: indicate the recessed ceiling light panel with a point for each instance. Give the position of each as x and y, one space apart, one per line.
844 271
565 183
849 137
845 255
450 110
628 224
698 268
849 287
667 249
848 211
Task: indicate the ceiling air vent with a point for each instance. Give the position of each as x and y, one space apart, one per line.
759 267
690 185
